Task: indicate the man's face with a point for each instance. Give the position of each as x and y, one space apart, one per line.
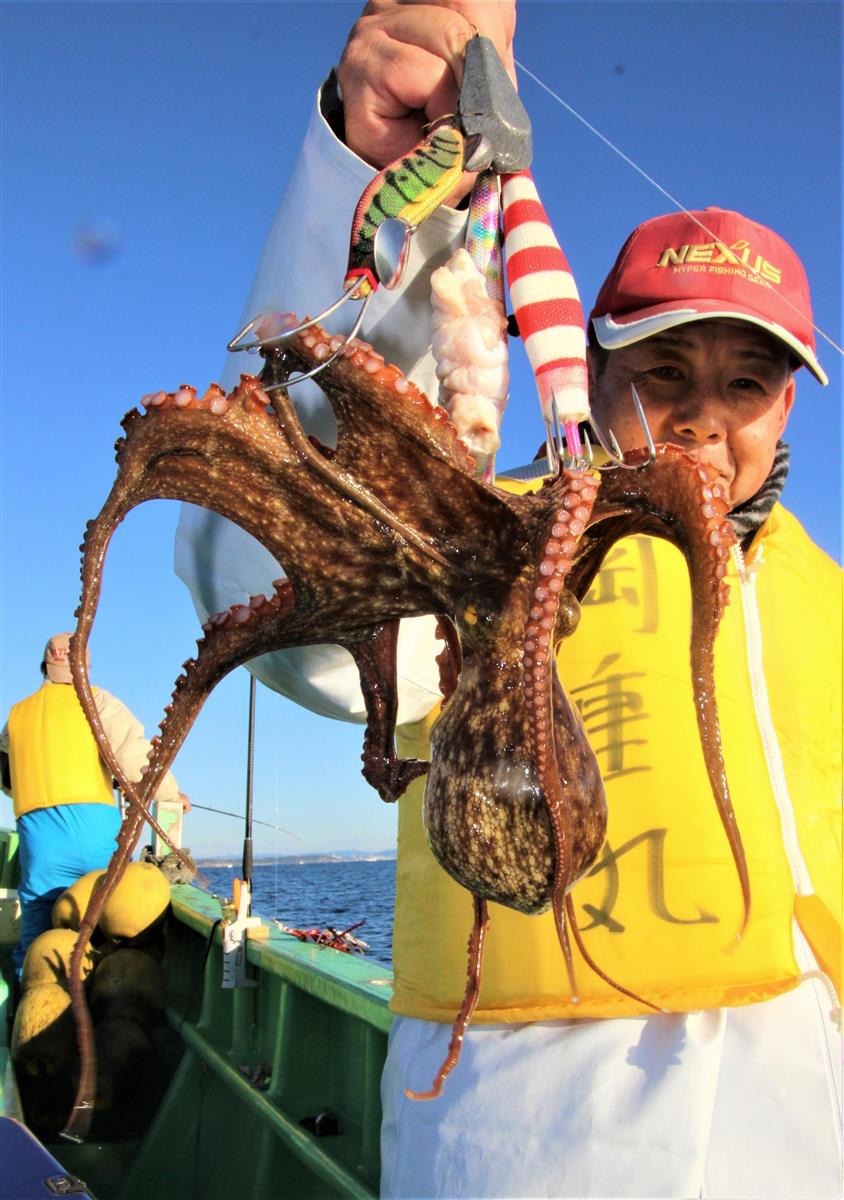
720 389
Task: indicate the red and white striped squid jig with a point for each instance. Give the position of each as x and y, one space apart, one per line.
550 320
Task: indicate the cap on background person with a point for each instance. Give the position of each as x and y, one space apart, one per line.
56 661
695 266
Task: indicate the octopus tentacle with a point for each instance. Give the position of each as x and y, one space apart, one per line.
538 662
415 440
230 639
470 1001
79 1120
94 546
590 962
565 764
450 658
682 501
376 661
411 413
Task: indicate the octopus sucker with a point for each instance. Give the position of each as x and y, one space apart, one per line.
393 523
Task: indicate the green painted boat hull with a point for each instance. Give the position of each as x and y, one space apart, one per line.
241 1069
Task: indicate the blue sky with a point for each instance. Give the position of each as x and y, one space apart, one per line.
146 146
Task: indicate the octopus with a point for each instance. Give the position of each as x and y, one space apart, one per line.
394 523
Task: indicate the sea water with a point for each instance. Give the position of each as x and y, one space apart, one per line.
320 894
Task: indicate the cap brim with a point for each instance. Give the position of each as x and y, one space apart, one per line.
613 334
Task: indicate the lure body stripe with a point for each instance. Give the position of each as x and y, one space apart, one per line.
532 235
483 243
545 301
537 261
555 347
410 188
544 283
544 314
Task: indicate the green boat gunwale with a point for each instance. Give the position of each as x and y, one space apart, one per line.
310 1034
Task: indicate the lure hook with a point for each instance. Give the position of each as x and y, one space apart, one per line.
237 344
611 447
290 382
567 444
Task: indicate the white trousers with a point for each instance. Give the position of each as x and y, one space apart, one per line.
734 1103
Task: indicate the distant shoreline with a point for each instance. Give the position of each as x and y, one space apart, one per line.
294 860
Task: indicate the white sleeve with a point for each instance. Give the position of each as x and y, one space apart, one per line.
301 269
125 734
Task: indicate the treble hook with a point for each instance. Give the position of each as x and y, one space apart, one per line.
553 440
237 344
613 450
389 256
566 449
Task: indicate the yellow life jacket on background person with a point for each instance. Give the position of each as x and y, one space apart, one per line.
661 910
52 753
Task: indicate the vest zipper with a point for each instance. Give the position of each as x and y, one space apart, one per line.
764 720
779 785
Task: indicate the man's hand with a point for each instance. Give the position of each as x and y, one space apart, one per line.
185 803
403 65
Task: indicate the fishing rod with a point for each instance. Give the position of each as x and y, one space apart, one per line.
222 812
250 759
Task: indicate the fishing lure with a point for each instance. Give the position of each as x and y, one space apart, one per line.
409 189
546 304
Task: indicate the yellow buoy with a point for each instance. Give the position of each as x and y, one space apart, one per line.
128 983
43 1035
137 905
48 958
69 909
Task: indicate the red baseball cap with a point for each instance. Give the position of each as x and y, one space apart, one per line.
701 265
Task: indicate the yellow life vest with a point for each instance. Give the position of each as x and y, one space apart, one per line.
52 753
661 909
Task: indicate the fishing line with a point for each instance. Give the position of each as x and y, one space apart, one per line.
673 199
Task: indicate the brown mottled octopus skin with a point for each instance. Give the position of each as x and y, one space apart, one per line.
393 524
486 812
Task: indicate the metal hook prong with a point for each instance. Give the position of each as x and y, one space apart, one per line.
233 345
643 421
288 383
559 440
612 448
551 448
587 446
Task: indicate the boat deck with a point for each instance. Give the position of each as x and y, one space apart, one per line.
272 1090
